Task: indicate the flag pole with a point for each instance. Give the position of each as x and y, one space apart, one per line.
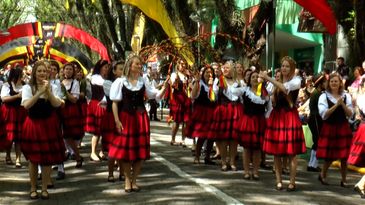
273 37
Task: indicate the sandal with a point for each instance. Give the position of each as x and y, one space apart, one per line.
246 176
233 168
224 168
44 194
111 179
291 187
8 161
18 165
255 177
279 186
33 195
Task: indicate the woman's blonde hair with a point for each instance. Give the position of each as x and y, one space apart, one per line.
333 75
128 63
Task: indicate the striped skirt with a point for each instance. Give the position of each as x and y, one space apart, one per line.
251 131
134 141
357 150
95 114
42 142
226 117
284 133
72 126
201 122
334 141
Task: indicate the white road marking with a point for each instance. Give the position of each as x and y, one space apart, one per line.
201 182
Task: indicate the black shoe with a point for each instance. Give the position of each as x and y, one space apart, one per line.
265 166
322 180
60 175
313 169
344 184
209 162
292 188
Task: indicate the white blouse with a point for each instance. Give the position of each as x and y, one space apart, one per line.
57 83
181 76
5 89
116 89
96 79
360 101
293 84
323 105
27 93
75 90
232 92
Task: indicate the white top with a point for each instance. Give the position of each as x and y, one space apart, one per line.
106 87
97 80
116 89
323 105
75 90
27 93
5 89
182 77
232 92
360 101
293 84
57 83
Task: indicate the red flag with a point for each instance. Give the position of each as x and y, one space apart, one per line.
322 11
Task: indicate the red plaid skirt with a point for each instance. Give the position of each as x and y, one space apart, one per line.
180 107
107 130
5 142
201 122
42 142
83 107
357 150
134 141
334 141
251 130
71 123
225 120
94 117
284 133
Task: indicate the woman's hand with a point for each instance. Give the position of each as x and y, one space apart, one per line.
119 126
263 75
211 80
166 82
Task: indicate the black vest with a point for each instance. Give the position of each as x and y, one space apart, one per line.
97 92
338 116
203 98
281 100
41 109
133 101
17 102
251 108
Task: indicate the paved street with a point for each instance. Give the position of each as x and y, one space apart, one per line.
170 177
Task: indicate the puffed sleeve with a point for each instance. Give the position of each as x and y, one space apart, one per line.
151 92
26 93
269 108
322 105
349 102
106 87
5 90
173 78
360 102
54 90
115 93
75 90
293 84
237 91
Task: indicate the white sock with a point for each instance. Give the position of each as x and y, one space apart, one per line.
61 168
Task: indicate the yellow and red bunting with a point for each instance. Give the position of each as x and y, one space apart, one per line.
222 82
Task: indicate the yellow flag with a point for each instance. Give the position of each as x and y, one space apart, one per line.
156 11
67 5
137 37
